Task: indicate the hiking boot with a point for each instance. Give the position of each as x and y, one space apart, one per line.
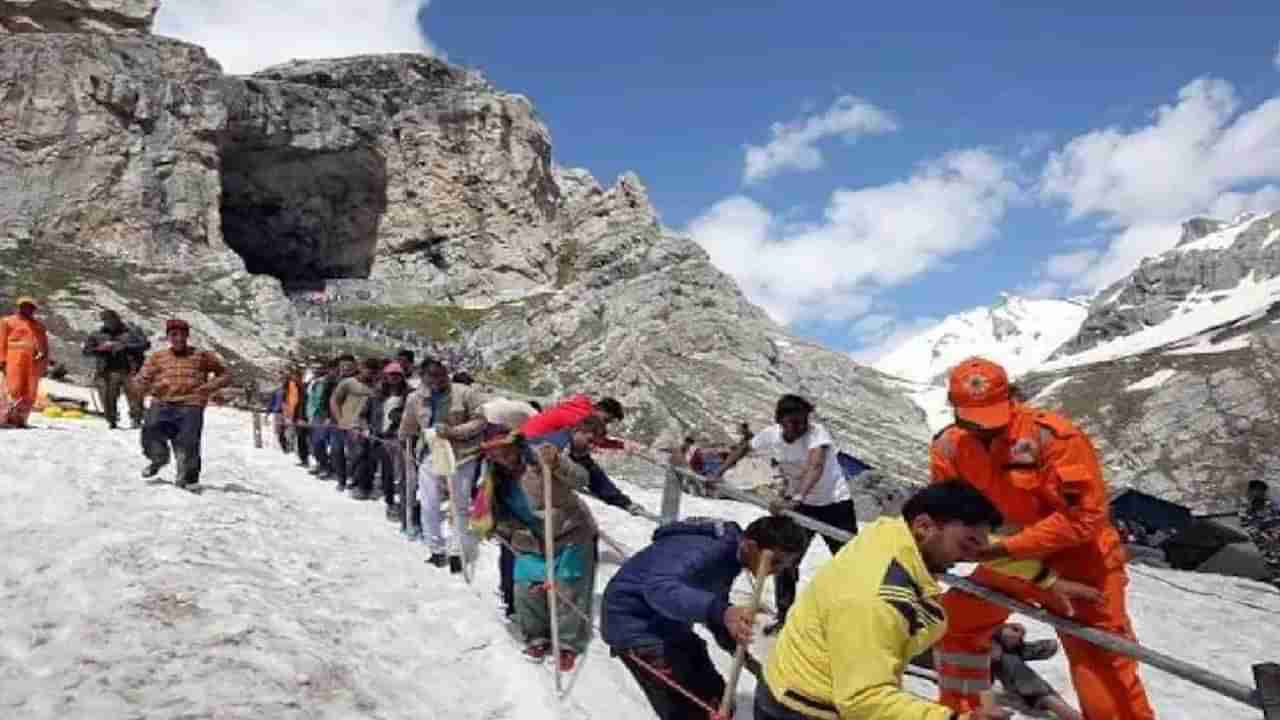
303 464
1039 649
341 486
437 559
536 650
568 659
393 513
111 425
152 470
361 494
455 564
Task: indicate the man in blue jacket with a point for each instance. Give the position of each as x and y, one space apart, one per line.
683 579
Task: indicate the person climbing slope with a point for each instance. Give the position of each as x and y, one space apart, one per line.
24 356
181 379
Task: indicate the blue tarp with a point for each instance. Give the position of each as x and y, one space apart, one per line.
852 466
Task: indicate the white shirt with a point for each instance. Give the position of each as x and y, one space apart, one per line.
793 457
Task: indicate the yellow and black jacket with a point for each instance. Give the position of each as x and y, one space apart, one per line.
854 628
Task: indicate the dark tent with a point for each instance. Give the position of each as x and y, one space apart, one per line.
1135 506
1194 544
852 466
1239 560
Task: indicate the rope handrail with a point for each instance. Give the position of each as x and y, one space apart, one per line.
1123 646
1202 677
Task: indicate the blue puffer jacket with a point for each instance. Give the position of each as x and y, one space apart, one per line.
681 579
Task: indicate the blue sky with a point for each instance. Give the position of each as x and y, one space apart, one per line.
928 157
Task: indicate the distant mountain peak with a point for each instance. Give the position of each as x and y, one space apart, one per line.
1016 331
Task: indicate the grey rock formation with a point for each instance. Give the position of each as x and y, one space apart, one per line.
73 16
1197 437
1153 292
1197 417
405 188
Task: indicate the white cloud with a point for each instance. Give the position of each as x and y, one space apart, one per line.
868 239
248 36
794 144
1196 156
1069 265
1265 199
886 334
1042 289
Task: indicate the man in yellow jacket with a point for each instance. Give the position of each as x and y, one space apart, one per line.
876 605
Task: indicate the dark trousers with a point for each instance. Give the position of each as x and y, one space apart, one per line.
506 578
767 707
375 460
180 426
839 514
684 662
302 443
110 385
338 447
320 435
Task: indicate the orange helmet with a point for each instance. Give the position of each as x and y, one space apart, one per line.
979 392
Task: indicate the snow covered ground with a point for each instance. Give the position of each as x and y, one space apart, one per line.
271 596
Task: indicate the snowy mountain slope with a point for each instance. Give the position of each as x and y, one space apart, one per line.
272 596
1016 332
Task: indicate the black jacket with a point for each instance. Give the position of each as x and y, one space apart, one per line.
128 357
375 410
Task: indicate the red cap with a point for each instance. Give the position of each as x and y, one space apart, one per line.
176 324
979 392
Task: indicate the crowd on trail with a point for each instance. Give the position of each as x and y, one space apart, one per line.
1016 489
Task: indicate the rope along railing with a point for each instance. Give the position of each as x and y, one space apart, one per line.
1266 696
1203 677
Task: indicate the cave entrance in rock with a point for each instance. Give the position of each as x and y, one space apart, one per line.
303 216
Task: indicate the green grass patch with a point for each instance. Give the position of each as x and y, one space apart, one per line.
516 373
438 322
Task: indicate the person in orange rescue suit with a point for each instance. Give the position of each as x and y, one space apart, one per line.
1044 476
24 356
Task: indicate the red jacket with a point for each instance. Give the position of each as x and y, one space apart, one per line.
563 417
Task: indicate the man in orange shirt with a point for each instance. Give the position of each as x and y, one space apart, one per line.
1044 476
24 355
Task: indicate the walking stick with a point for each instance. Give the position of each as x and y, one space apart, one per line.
549 552
740 655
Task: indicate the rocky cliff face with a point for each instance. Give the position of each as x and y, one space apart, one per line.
1174 371
134 174
70 16
1211 257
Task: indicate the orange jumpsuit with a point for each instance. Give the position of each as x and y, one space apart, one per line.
1044 476
20 342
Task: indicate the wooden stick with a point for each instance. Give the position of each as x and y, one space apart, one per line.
549 552
740 655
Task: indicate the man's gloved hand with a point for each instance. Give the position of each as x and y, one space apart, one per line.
637 509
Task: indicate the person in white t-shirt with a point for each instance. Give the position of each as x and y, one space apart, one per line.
815 484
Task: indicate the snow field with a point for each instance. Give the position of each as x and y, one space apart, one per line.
271 595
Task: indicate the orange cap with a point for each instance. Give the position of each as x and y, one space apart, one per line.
979 392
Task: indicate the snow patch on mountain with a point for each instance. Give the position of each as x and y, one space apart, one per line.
1153 381
1194 326
1017 332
